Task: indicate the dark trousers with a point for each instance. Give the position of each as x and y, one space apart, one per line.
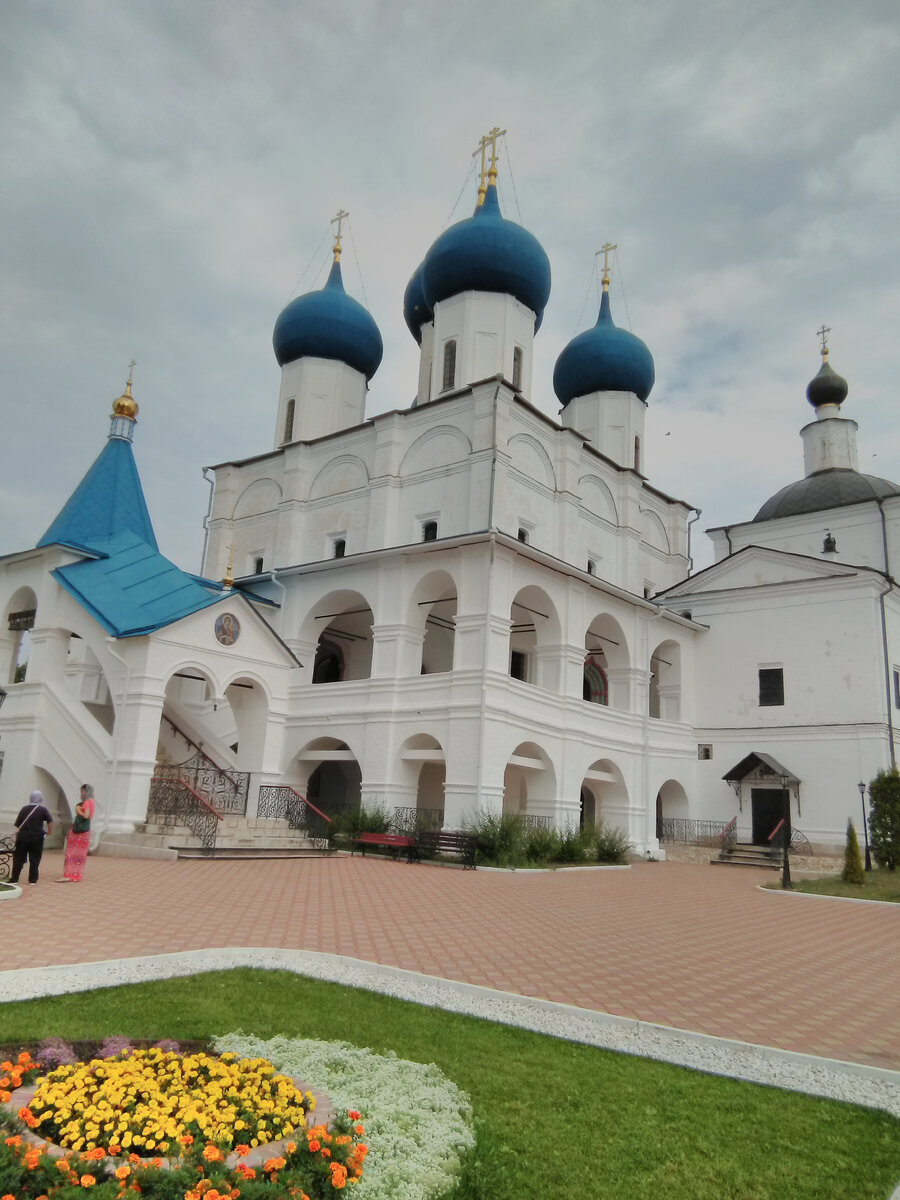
30 849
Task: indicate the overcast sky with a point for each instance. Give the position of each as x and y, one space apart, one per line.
168 172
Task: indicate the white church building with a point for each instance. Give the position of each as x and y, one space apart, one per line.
461 606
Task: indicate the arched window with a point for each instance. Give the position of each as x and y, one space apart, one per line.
340 547
596 685
289 421
449 372
637 453
329 664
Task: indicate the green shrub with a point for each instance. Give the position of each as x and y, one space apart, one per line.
575 843
853 871
610 845
500 838
541 844
365 819
884 818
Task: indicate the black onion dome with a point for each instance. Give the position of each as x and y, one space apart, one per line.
832 488
827 388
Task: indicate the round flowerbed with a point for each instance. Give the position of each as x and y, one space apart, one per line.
417 1127
198 1117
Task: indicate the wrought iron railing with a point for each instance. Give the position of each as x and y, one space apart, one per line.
688 832
281 802
224 789
174 802
6 854
536 822
417 820
728 836
799 841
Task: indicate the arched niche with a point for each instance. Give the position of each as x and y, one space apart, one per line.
432 611
20 615
327 773
664 693
534 632
423 772
603 791
606 662
529 781
340 627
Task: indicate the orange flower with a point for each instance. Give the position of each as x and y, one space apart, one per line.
242 1150
96 1154
212 1153
315 1145
290 1147
359 1130
123 1172
8 1196
353 1114
15 1140
87 1181
187 1139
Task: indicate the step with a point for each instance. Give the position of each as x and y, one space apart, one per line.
247 852
761 864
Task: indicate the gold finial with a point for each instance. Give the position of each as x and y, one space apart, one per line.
604 250
488 173
339 221
823 333
126 405
228 581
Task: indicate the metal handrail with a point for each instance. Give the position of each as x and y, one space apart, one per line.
228 788
281 801
167 801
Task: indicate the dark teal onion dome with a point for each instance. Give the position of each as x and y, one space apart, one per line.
329 324
487 253
827 388
416 309
604 359
832 488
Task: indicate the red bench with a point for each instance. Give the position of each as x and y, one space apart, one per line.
392 841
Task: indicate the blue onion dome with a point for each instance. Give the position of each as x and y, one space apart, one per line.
487 253
604 359
416 309
827 387
329 324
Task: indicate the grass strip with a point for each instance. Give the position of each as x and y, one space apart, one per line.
879 885
553 1118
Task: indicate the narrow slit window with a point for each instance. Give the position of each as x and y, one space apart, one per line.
517 368
340 547
449 372
429 531
289 421
771 687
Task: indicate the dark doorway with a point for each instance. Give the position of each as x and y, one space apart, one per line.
768 809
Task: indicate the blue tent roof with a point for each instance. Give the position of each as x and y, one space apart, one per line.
133 589
109 501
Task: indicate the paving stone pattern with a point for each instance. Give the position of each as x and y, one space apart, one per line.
690 946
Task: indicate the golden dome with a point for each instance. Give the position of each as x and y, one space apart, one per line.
126 405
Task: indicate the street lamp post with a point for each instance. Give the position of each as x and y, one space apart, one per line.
862 800
786 835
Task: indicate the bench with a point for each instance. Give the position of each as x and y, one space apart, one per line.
394 841
448 841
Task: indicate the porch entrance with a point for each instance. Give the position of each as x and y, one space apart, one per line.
767 809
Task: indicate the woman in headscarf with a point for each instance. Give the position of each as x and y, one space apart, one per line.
79 840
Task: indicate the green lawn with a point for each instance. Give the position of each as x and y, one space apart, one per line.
879 885
554 1119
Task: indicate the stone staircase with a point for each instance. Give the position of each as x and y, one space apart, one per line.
236 837
746 854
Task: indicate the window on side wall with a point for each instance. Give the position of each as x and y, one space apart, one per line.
429 531
771 687
289 421
518 665
896 687
448 376
517 368
340 547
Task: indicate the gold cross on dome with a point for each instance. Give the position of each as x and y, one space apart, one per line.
488 173
823 333
604 250
131 367
339 221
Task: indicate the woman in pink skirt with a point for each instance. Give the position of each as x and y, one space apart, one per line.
79 840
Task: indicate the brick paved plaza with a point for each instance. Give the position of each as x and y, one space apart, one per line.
695 947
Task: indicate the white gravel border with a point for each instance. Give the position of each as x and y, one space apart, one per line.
854 1083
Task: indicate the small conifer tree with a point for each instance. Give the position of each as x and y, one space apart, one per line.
884 818
853 864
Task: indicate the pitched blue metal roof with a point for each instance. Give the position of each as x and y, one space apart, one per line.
108 502
133 589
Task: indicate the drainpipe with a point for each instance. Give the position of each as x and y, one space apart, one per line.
212 488
887 674
692 521
726 529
